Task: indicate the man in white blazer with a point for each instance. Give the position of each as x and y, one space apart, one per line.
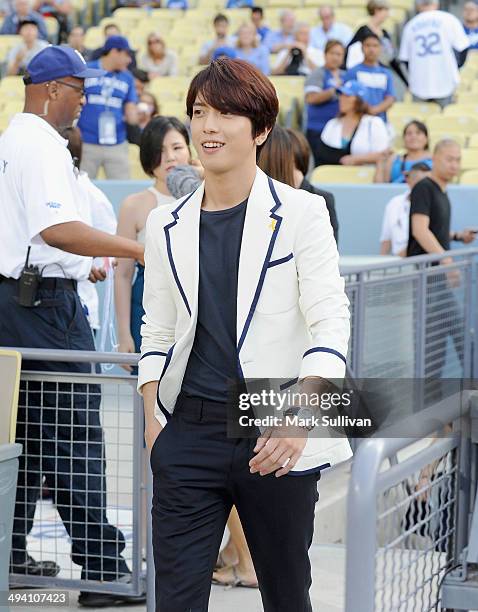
241 283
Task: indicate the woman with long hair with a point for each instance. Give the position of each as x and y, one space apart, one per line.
164 145
354 137
285 156
393 168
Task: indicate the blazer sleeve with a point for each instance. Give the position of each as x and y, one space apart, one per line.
159 320
322 299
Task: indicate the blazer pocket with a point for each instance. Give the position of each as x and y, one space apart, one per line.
280 290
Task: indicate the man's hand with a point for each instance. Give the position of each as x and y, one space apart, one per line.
97 274
126 345
453 277
151 432
275 446
467 235
347 160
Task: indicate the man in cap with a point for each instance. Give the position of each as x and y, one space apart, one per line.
46 247
111 105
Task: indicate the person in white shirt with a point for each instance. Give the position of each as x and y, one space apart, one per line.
222 39
434 46
20 56
395 225
354 137
301 58
329 29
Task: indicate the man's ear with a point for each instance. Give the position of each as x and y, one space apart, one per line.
261 138
53 90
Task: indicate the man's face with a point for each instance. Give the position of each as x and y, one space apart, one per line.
70 100
327 18
256 19
121 59
221 27
22 7
302 34
371 50
470 13
288 22
29 33
223 141
76 38
447 162
112 30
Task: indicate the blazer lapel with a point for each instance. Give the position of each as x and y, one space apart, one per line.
182 244
261 226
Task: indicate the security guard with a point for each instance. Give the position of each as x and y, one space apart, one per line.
45 249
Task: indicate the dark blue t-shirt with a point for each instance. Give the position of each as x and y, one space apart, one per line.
472 34
213 362
319 80
377 80
106 93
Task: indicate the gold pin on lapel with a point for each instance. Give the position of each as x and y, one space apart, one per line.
273 224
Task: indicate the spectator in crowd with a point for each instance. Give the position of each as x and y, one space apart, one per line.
393 168
61 10
147 109
141 79
321 98
248 48
257 18
394 236
103 218
7 7
239 4
329 29
24 12
430 209
164 145
284 157
19 56
222 39
379 11
158 61
355 137
111 29
111 104
277 40
300 58
302 157
470 23
76 40
434 45
376 79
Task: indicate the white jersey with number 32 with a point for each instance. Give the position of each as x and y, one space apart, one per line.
428 44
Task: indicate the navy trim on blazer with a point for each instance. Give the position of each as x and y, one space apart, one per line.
310 471
265 264
153 353
170 254
288 384
166 413
324 349
282 260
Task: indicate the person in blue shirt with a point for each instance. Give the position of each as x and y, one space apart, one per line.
277 40
257 18
470 22
322 102
375 78
239 4
249 49
110 105
22 13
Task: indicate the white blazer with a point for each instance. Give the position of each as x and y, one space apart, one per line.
292 311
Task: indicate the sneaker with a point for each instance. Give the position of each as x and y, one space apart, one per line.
104 600
36 568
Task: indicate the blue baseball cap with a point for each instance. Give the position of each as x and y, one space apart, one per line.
229 52
116 42
55 62
353 88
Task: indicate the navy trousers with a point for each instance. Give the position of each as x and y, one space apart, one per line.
59 427
198 474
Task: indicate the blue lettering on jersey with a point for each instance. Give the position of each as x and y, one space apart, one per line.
429 44
53 205
3 165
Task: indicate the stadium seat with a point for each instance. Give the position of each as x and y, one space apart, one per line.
357 175
52 28
436 136
94 38
136 170
461 109
466 124
473 141
470 177
469 159
12 87
419 110
466 97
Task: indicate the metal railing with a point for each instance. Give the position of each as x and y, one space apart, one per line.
407 512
